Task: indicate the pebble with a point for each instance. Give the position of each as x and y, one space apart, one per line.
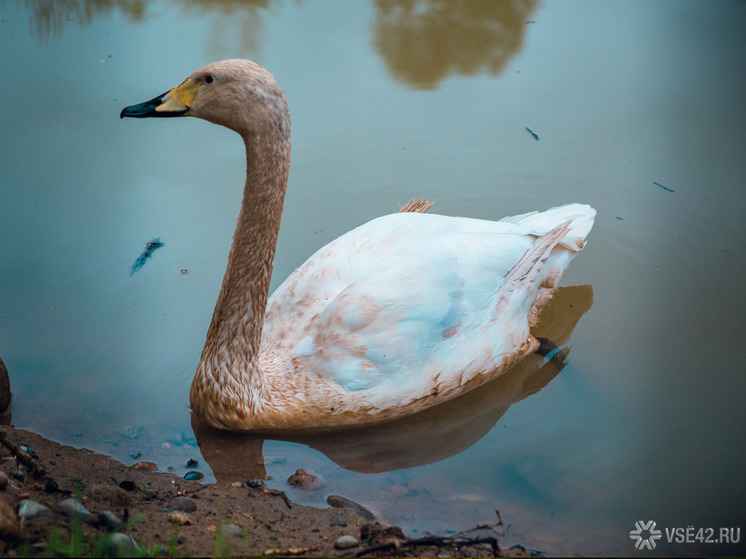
18 474
144 466
230 530
254 483
184 504
110 520
128 485
122 545
193 476
32 509
3 480
51 486
71 507
337 501
346 542
305 480
179 518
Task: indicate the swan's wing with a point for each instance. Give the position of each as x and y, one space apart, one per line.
406 304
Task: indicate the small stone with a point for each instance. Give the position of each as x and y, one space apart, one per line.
110 520
302 478
122 545
144 467
179 518
51 486
30 451
193 476
3 480
192 463
184 504
31 509
254 484
338 501
71 507
149 495
346 542
128 485
18 475
230 530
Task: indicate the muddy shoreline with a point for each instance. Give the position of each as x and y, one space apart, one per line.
164 514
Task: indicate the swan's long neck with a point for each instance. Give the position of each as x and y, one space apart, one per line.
229 376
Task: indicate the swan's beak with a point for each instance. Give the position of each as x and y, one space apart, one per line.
175 102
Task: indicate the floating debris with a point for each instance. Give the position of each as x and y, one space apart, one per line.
150 248
663 187
534 134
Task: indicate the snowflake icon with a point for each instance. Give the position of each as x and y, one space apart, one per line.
645 534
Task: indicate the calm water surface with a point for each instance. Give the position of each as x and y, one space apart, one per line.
639 111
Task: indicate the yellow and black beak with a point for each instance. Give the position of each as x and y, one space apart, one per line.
175 102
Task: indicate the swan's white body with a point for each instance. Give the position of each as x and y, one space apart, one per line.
403 312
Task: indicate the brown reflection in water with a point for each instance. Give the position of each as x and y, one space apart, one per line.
422 438
50 18
423 41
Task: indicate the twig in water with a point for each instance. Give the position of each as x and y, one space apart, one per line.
663 187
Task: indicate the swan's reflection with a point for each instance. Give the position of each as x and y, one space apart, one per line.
422 438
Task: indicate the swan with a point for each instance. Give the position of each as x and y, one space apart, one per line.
401 313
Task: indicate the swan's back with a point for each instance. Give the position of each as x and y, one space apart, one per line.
404 307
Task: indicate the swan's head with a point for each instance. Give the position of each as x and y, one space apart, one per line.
238 94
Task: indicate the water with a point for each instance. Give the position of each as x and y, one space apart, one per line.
393 100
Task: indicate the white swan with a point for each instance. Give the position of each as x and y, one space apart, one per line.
406 311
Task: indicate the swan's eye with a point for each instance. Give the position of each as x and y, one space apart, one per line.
209 79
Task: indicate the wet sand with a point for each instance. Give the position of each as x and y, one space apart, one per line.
188 518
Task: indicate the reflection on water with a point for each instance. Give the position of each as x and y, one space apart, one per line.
423 438
421 41
424 41
49 19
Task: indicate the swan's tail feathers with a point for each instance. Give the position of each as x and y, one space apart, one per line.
580 216
417 206
527 285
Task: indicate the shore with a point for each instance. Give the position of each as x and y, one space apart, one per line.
137 510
